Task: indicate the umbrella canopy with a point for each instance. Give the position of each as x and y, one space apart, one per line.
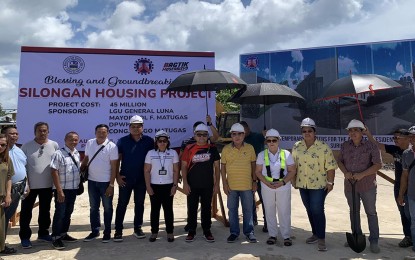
358 84
206 80
265 94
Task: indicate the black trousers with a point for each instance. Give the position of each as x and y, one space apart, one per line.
45 198
161 198
205 197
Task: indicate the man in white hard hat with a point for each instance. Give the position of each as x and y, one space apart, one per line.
132 151
201 177
359 161
239 180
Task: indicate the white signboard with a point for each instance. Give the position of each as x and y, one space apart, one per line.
77 89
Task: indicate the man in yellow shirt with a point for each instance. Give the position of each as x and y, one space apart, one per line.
239 180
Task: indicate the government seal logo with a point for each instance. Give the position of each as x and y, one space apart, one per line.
73 64
143 66
251 62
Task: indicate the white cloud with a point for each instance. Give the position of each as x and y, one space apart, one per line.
400 69
346 65
8 91
297 56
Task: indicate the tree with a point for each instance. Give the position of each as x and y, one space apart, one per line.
223 95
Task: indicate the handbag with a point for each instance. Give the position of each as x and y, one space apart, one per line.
19 187
84 172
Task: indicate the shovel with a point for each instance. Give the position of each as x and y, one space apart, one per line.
356 241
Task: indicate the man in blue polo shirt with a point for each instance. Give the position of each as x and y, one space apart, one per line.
132 150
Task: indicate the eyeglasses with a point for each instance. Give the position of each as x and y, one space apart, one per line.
162 141
272 140
201 135
236 134
3 145
307 131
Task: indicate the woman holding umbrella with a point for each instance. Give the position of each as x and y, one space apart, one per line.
161 173
315 178
275 169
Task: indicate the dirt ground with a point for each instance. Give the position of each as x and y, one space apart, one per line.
338 224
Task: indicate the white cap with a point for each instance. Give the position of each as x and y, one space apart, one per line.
308 122
237 127
272 133
356 124
201 128
162 133
136 120
411 130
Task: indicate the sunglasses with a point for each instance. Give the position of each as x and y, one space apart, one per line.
162 141
272 140
3 145
201 135
236 134
41 150
307 131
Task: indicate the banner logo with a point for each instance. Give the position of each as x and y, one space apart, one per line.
143 66
252 62
73 64
176 66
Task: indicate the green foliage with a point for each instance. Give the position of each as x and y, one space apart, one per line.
223 95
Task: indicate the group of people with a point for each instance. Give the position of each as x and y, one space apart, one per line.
251 162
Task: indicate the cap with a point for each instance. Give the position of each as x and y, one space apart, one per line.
201 128
162 133
356 124
411 130
308 122
237 127
272 133
136 120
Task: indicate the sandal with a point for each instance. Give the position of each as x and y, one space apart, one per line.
271 241
153 238
170 237
288 242
8 251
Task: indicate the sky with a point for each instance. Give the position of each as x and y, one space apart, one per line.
227 27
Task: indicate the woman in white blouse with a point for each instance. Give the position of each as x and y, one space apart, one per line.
161 172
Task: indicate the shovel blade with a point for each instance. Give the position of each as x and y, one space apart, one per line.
357 242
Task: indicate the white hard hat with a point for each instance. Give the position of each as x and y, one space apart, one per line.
201 128
411 130
356 124
136 120
272 133
237 127
162 133
308 122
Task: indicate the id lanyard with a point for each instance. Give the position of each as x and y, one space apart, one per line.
162 171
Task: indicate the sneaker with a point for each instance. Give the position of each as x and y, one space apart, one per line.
117 237
26 244
311 240
68 238
209 237
406 242
47 238
251 238
58 244
322 245
232 238
374 248
190 237
8 250
106 238
138 233
91 237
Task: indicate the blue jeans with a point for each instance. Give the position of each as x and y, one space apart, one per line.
369 203
9 211
63 212
405 217
96 191
313 201
124 195
233 207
